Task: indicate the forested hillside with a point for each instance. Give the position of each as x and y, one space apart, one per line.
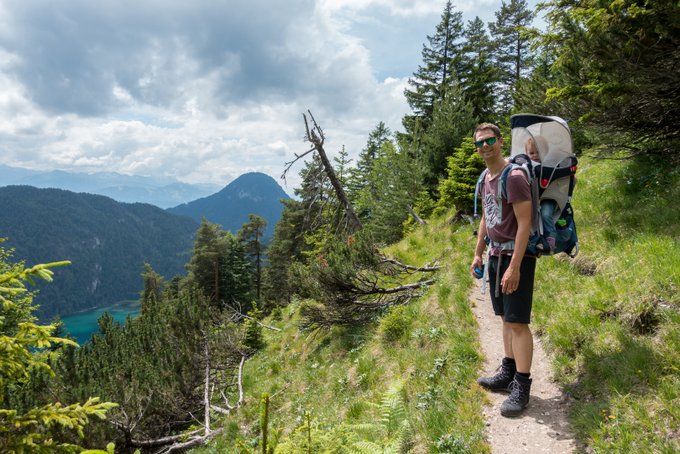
357 335
106 241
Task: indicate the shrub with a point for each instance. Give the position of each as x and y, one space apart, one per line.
395 324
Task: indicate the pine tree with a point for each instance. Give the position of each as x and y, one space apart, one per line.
337 215
457 190
453 120
440 70
204 266
512 34
618 63
368 155
31 424
150 365
388 194
359 180
479 75
285 248
250 236
235 274
294 235
153 287
220 268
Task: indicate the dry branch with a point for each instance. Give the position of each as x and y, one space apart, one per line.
190 443
425 268
399 289
198 437
240 315
316 137
230 408
415 216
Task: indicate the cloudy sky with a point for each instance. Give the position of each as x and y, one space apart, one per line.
203 90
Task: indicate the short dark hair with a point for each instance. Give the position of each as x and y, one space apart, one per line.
496 130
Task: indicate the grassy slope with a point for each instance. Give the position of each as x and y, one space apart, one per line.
341 377
610 318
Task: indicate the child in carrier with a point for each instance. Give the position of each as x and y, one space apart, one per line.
548 206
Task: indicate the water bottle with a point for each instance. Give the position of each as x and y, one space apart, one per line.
479 272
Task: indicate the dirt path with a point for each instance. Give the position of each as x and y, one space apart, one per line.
543 427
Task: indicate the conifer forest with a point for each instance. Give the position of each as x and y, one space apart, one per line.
181 375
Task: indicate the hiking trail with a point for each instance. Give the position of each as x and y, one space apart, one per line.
543 427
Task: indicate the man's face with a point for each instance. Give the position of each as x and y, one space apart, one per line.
487 143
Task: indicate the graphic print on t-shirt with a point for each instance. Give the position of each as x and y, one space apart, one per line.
491 211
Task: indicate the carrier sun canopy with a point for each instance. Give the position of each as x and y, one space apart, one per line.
551 135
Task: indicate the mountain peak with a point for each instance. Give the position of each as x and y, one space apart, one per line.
251 193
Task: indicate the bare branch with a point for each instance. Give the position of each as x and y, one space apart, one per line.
240 392
190 443
206 387
239 314
240 380
162 441
290 163
417 218
315 135
224 411
193 438
399 289
425 268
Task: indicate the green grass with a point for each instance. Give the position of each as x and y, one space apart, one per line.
611 317
610 320
340 377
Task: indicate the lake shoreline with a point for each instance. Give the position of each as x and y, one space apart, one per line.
83 324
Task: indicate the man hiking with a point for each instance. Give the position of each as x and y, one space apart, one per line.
506 224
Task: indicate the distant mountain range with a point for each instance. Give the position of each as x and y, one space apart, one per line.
162 192
108 242
253 192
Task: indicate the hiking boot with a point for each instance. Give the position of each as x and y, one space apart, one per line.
520 389
502 379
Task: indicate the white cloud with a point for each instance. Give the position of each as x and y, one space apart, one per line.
404 8
201 91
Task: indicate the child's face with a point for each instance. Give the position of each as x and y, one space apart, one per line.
532 150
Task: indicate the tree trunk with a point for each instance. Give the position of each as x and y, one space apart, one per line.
316 137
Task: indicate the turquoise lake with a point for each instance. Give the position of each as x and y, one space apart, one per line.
83 324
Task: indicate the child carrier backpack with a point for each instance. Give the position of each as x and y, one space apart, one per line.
553 178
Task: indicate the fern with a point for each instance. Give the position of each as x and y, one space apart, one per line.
393 410
392 432
366 447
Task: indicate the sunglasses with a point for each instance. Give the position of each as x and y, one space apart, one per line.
488 141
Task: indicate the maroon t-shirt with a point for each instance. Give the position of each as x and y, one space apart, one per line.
503 228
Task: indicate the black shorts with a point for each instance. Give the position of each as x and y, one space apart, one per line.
515 307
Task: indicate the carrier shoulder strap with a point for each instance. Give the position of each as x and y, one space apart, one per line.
502 180
478 190
501 192
536 224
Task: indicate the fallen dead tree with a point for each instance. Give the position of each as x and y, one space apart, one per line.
352 283
316 137
351 280
198 437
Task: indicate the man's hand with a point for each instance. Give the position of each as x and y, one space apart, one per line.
510 279
476 263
